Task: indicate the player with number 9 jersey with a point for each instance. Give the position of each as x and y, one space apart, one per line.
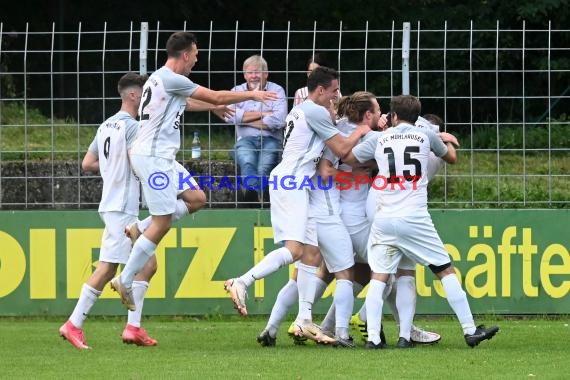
120 186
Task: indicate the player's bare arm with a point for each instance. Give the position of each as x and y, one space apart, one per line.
341 146
449 138
230 97
90 162
326 169
451 156
351 159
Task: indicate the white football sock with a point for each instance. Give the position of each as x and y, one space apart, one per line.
87 299
141 252
329 321
457 299
405 304
180 211
374 304
344 303
269 264
321 287
307 283
286 298
139 291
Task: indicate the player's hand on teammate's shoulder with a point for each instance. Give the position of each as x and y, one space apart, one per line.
449 138
363 129
382 122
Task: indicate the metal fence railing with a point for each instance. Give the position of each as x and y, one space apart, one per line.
504 92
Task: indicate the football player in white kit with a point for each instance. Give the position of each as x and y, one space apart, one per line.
360 107
402 224
403 290
153 153
118 208
334 239
308 129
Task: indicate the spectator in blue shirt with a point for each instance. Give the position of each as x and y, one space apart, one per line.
259 127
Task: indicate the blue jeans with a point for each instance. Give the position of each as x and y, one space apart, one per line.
257 156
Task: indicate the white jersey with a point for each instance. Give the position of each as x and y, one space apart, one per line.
162 104
307 128
435 163
120 186
352 199
402 154
324 200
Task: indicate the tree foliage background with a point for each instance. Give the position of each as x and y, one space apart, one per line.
198 14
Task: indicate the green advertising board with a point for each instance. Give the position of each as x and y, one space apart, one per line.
509 262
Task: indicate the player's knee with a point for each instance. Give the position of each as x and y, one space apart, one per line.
199 201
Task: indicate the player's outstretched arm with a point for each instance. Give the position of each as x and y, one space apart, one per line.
231 97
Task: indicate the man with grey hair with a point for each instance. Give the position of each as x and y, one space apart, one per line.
259 128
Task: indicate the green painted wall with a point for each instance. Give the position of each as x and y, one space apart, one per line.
509 261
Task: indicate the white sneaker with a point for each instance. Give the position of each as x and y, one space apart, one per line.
238 292
420 336
314 332
125 293
132 232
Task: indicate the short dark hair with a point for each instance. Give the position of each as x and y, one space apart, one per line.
130 80
178 42
407 107
321 76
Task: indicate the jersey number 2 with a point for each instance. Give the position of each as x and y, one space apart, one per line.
146 95
288 130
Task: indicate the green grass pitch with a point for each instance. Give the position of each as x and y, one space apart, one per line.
225 347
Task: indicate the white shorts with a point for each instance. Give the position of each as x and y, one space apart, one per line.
184 181
334 243
358 228
115 245
159 181
407 263
413 236
311 233
289 214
